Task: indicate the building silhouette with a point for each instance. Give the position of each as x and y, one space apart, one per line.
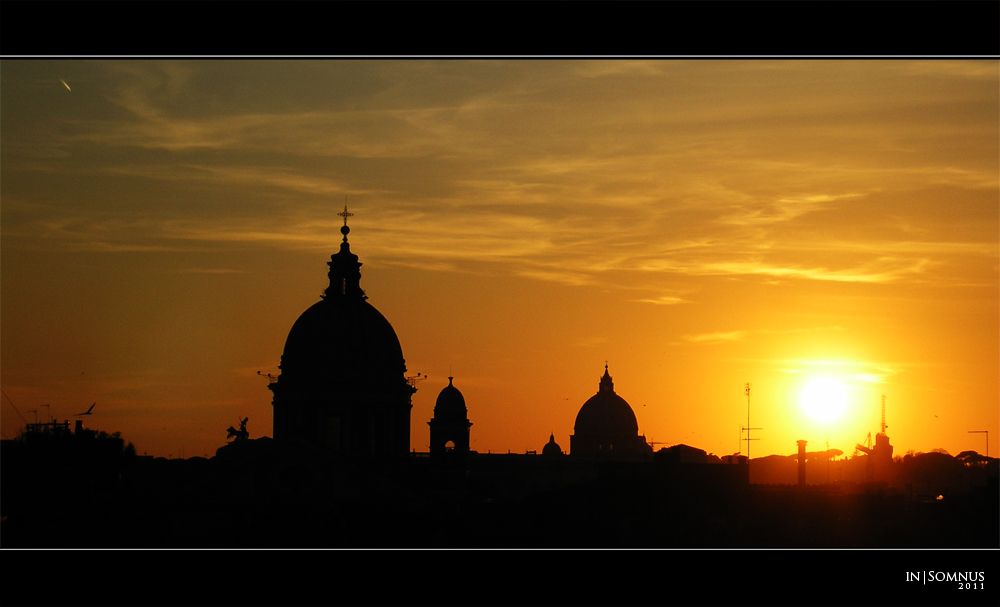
606 426
450 428
342 383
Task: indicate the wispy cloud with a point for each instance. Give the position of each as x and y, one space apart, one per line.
591 342
665 300
860 371
724 336
784 209
863 274
508 165
717 337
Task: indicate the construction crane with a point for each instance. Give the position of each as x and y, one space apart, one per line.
16 409
862 447
879 455
866 447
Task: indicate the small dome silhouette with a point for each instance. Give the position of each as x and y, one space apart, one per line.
450 403
450 429
552 447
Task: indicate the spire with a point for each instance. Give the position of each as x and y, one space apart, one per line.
606 384
345 270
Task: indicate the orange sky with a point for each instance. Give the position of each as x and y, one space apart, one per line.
697 224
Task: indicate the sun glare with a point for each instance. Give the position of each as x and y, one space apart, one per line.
824 399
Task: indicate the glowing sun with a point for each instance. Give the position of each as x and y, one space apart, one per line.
824 399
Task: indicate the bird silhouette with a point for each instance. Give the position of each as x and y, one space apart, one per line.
87 412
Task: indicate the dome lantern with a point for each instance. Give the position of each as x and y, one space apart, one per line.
606 384
345 270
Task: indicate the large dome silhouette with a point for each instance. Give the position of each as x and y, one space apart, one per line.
342 339
606 425
343 378
606 413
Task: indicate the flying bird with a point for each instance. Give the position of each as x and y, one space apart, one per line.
66 85
87 412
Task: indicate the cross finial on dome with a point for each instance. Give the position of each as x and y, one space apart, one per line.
345 230
345 214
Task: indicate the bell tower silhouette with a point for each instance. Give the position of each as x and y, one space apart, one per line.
450 428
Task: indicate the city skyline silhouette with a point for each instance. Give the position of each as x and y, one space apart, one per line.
339 473
532 305
776 223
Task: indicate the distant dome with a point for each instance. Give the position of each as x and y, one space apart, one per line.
606 426
450 403
606 413
552 447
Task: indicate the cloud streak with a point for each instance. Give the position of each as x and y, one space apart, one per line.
512 165
717 337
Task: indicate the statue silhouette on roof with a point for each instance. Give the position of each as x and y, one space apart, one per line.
242 433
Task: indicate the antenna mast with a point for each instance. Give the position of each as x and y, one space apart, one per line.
883 414
748 428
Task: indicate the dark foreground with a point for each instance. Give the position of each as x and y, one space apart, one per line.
262 495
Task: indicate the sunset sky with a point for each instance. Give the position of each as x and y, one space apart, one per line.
696 224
